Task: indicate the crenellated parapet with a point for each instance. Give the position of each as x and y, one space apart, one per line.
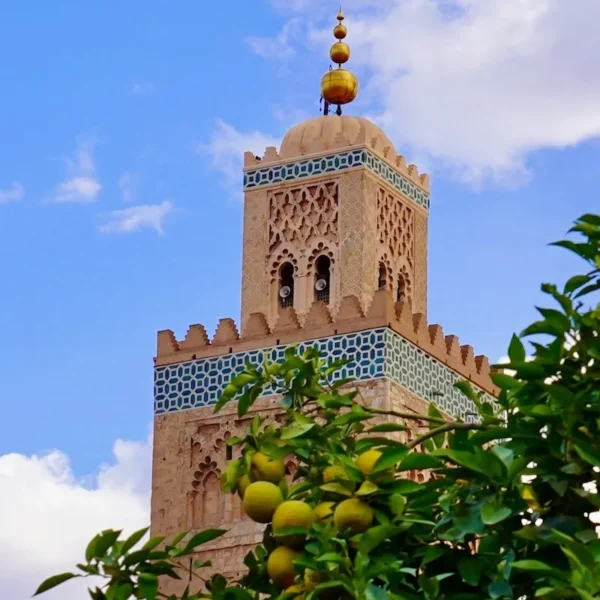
427 339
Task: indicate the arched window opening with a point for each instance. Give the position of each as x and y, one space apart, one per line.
401 291
322 279
286 285
382 282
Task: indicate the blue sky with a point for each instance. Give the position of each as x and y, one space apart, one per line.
122 128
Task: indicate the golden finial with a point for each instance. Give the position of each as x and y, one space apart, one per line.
339 86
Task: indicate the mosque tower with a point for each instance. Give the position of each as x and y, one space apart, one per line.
334 257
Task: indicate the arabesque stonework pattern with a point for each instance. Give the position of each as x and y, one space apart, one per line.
419 299
301 215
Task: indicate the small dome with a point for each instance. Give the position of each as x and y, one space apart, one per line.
320 133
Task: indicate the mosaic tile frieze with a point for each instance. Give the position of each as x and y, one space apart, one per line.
334 163
374 354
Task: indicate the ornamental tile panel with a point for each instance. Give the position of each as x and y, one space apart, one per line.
336 163
374 354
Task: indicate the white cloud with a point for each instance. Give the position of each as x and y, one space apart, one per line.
49 515
226 149
137 217
14 193
279 47
81 184
475 85
128 184
143 88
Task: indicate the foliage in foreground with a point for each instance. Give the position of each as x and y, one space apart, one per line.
504 514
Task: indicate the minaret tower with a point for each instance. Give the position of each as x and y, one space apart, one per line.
334 257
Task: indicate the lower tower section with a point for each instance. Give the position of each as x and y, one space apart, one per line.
397 360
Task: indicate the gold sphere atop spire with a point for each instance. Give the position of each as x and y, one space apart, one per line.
339 86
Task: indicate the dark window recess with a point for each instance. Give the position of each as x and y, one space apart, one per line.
401 295
286 285
322 279
228 452
382 284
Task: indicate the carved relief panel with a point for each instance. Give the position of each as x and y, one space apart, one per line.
303 225
395 230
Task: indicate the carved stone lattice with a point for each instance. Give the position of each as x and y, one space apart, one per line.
301 214
420 270
395 228
395 224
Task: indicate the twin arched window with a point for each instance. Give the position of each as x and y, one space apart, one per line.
321 282
383 283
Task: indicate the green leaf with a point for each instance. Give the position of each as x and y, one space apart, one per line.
397 504
132 540
505 382
101 543
154 542
500 589
293 431
374 536
589 453
367 488
516 350
432 553
148 585
532 565
53 581
373 592
576 282
336 488
493 512
419 460
203 537
470 568
389 458
402 486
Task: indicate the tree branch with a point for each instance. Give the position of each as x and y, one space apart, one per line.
443 429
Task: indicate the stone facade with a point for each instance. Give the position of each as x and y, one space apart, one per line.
336 194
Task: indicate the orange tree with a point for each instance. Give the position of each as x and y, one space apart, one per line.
505 512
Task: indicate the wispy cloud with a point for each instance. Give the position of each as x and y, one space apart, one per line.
476 86
226 149
128 184
143 216
279 47
143 88
81 184
14 193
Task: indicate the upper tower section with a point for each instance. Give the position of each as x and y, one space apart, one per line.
334 212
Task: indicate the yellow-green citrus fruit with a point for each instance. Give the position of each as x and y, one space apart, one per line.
280 566
261 500
243 484
311 579
353 514
292 513
334 472
366 461
295 589
265 468
324 511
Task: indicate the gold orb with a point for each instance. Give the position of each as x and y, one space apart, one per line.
339 86
340 53
340 31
